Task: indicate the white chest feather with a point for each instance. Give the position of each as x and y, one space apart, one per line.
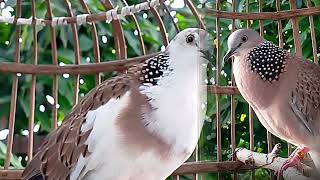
177 102
109 159
176 120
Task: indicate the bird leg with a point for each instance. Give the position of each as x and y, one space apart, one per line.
294 160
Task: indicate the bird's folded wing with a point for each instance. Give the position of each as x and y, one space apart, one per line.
305 98
63 147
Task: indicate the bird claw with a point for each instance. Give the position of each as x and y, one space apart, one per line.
273 154
294 160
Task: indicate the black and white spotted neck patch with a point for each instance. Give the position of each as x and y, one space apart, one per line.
268 61
155 68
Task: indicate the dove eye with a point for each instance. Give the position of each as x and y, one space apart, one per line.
190 38
244 38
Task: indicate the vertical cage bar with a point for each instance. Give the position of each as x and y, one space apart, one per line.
218 123
260 21
251 133
313 35
166 9
14 92
196 158
233 106
280 36
135 21
163 30
296 35
251 113
55 62
94 34
295 28
279 25
196 151
195 13
269 135
76 52
270 142
119 40
247 11
176 177
33 84
250 108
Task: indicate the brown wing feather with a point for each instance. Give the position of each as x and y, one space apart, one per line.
64 146
305 98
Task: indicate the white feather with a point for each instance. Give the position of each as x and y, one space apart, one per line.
109 159
176 120
99 142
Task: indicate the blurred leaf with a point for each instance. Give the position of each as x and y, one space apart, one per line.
66 56
24 102
243 117
85 43
15 161
5 99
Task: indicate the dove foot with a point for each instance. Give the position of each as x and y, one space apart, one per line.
294 160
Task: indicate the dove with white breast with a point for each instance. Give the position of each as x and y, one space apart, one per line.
142 124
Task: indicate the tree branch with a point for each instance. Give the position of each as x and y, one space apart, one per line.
271 161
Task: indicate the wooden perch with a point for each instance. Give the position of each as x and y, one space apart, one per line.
271 161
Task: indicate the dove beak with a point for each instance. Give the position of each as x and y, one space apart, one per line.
204 48
230 53
205 54
227 57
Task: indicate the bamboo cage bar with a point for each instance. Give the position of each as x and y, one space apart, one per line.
76 52
14 92
295 28
166 9
269 135
195 13
280 37
285 14
233 105
119 40
33 85
218 69
54 62
187 168
313 35
251 113
163 30
94 34
109 66
135 21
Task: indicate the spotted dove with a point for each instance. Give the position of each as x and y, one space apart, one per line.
142 124
282 88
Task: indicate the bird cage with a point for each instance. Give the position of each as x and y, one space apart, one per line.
67 17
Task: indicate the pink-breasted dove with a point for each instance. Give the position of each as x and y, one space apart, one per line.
282 88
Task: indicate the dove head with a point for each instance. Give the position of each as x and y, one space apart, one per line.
241 41
189 46
191 38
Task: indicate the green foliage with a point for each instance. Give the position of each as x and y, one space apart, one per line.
15 161
153 42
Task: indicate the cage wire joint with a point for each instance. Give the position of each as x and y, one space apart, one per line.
108 16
